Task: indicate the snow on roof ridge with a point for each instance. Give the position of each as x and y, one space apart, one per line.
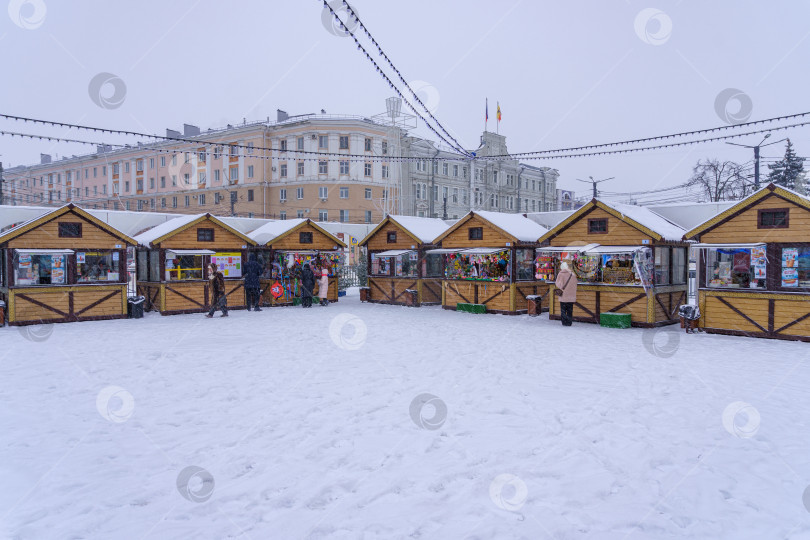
273 229
650 219
148 236
425 228
518 225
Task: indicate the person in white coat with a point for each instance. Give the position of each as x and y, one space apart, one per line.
323 286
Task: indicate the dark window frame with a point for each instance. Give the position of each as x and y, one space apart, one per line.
475 233
763 211
63 233
305 237
391 237
593 221
203 237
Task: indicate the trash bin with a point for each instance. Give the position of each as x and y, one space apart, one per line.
535 302
411 297
364 294
135 307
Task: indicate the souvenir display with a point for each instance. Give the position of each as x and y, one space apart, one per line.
480 267
544 266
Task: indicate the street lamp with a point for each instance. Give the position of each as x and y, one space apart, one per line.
756 155
594 182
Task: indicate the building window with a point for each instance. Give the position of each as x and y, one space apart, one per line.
250 195
283 171
282 215
187 201
174 202
250 171
344 192
444 169
367 170
300 143
305 237
163 202
140 206
300 168
476 233
385 171
368 216
174 180
368 144
299 193
344 216
139 165
323 167
151 183
126 186
201 177
216 175
282 195
234 150
598 226
368 194
391 237
185 178
250 147
234 172
455 171
323 215
344 167
344 142
773 219
385 148
70 230
300 214
455 195
323 192
323 142
205 235
201 156
201 199
282 145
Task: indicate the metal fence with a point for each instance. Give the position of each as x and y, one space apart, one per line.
352 276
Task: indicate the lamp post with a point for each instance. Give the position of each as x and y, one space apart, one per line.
756 155
594 182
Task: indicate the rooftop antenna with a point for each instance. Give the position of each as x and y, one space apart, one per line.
594 182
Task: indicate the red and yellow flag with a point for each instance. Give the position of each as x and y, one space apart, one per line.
499 112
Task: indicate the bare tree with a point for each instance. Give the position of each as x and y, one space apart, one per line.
720 181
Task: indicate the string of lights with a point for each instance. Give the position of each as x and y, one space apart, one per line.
198 143
655 147
365 29
380 71
657 137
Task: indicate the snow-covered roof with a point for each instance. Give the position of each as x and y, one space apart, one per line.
549 219
522 228
272 229
689 215
130 223
425 229
11 215
243 224
646 217
147 237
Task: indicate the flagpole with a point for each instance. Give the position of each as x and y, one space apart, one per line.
486 114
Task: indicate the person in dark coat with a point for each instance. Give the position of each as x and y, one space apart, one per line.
252 273
216 286
307 286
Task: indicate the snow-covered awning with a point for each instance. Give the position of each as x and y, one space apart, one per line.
443 251
567 249
392 252
483 251
192 251
729 246
44 251
599 250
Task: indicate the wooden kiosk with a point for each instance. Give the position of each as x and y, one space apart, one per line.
63 266
172 257
488 261
283 248
754 267
398 261
627 258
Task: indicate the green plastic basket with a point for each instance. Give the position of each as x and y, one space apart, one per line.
614 320
471 308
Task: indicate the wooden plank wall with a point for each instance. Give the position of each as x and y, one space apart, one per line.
743 227
224 240
496 295
619 233
47 236
460 238
431 291
67 304
379 242
291 241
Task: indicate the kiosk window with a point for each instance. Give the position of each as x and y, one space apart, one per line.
773 219
524 260
205 235
736 268
597 226
143 266
678 266
476 233
40 269
70 230
305 238
97 266
391 237
434 265
662 266
184 267
154 265
795 267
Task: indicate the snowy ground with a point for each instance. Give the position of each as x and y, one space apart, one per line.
308 424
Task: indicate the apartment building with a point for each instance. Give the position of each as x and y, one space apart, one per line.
349 169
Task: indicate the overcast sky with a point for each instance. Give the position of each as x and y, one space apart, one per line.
565 73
